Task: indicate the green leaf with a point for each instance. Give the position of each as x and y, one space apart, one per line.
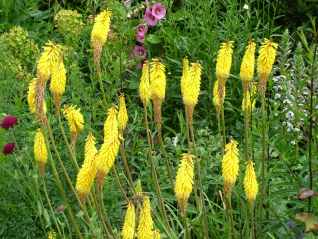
153 39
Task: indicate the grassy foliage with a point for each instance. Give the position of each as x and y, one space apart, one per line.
191 28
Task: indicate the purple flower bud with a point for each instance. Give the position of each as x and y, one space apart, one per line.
150 19
142 29
140 52
8 148
8 121
158 11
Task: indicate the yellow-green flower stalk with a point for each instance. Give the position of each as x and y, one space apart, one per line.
145 226
122 114
190 86
87 172
40 151
49 58
128 231
248 65
107 154
184 181
223 66
58 81
230 165
75 121
248 102
250 183
99 35
217 101
158 89
31 98
144 85
265 61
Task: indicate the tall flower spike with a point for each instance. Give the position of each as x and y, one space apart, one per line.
230 165
107 154
217 101
122 113
128 231
75 121
248 102
190 86
58 81
145 226
265 61
184 181
99 35
158 88
250 182
40 151
31 98
144 85
223 67
87 173
247 65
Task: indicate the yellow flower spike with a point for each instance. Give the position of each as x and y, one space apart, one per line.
184 181
217 101
74 119
107 154
99 35
87 172
223 67
190 83
224 60
144 85
51 235
265 61
128 231
51 55
40 150
58 81
101 28
156 234
250 182
248 102
157 80
31 98
248 64
145 226
122 114
230 165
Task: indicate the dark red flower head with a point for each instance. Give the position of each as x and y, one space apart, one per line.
8 148
8 121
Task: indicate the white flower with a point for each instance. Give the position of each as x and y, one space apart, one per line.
246 7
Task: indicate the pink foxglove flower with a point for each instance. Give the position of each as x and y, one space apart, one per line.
8 121
140 38
141 29
149 18
158 11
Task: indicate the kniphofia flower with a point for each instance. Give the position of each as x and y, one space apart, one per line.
144 85
128 231
40 150
184 181
99 35
230 165
145 226
250 182
106 156
122 113
217 100
75 121
248 102
157 80
265 61
247 65
87 172
58 81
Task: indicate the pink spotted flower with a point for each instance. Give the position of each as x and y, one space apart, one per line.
141 32
140 52
149 18
158 11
